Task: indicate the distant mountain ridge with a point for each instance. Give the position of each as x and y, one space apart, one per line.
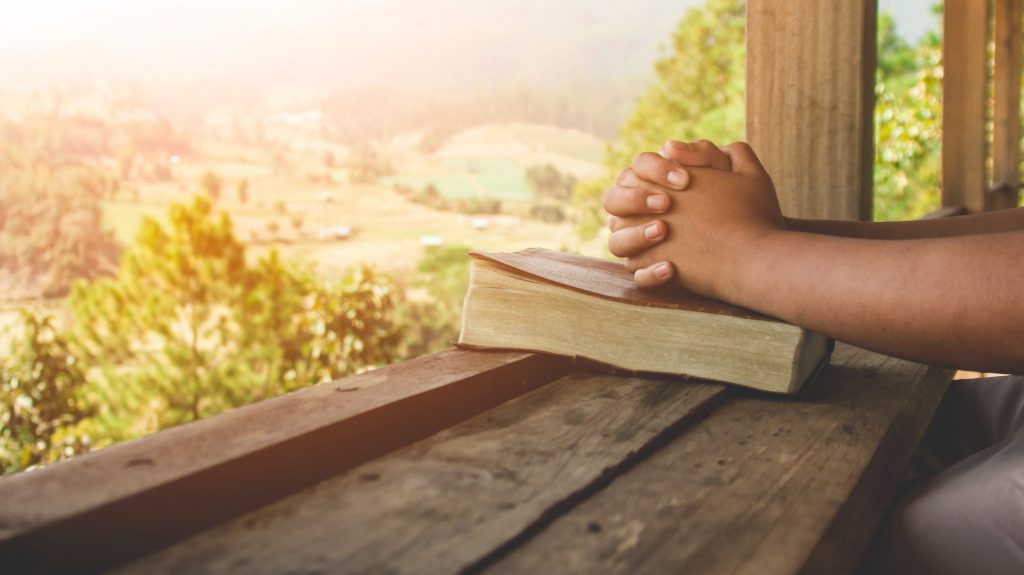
192 56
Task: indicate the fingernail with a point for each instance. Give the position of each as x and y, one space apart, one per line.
676 144
678 178
652 232
663 270
657 202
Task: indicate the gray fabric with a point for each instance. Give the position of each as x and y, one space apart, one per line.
967 514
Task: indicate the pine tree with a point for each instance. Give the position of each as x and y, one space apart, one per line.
188 329
698 93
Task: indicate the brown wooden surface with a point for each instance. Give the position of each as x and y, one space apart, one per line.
964 84
107 506
946 212
1006 120
597 473
810 102
761 486
451 500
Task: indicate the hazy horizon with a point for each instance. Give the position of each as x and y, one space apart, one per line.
189 57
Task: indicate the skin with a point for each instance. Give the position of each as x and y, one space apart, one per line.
944 292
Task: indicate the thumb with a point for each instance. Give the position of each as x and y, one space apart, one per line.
744 160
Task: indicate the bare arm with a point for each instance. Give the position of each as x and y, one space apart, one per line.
953 300
984 223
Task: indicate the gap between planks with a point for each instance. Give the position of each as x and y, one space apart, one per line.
763 485
106 507
456 500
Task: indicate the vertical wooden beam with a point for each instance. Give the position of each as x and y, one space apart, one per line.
1006 121
810 102
965 66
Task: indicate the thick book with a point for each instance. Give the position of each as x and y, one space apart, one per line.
581 307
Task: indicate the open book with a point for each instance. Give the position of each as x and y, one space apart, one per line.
545 301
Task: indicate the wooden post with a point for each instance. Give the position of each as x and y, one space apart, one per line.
810 102
965 37
1006 122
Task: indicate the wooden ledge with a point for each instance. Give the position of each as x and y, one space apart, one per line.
109 506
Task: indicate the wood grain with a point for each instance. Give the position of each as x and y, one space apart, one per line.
1006 119
104 507
761 486
964 83
441 505
810 103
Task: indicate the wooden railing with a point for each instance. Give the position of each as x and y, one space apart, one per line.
469 461
100 509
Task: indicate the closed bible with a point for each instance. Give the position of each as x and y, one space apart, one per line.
589 308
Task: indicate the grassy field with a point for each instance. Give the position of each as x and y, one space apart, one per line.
491 161
289 205
293 195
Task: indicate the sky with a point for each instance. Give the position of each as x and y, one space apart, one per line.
150 36
913 17
317 47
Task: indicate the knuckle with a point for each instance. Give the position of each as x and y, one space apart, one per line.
740 146
606 199
615 245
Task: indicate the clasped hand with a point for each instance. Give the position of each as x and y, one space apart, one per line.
694 214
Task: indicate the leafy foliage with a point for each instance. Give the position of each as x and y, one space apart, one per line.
41 397
432 314
697 94
188 328
51 230
547 182
211 184
908 130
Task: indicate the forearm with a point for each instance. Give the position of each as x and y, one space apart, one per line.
983 223
952 301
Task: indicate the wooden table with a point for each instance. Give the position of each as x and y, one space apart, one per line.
492 462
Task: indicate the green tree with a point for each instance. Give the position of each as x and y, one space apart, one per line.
366 164
242 189
698 93
547 182
432 314
42 399
211 184
51 230
908 134
188 329
908 124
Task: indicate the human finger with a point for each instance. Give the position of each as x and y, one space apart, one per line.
654 275
624 201
656 169
631 240
743 157
702 153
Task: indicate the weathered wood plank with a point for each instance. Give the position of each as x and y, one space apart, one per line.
1006 120
763 485
442 504
810 103
964 83
105 507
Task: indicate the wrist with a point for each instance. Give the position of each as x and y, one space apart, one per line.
754 269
